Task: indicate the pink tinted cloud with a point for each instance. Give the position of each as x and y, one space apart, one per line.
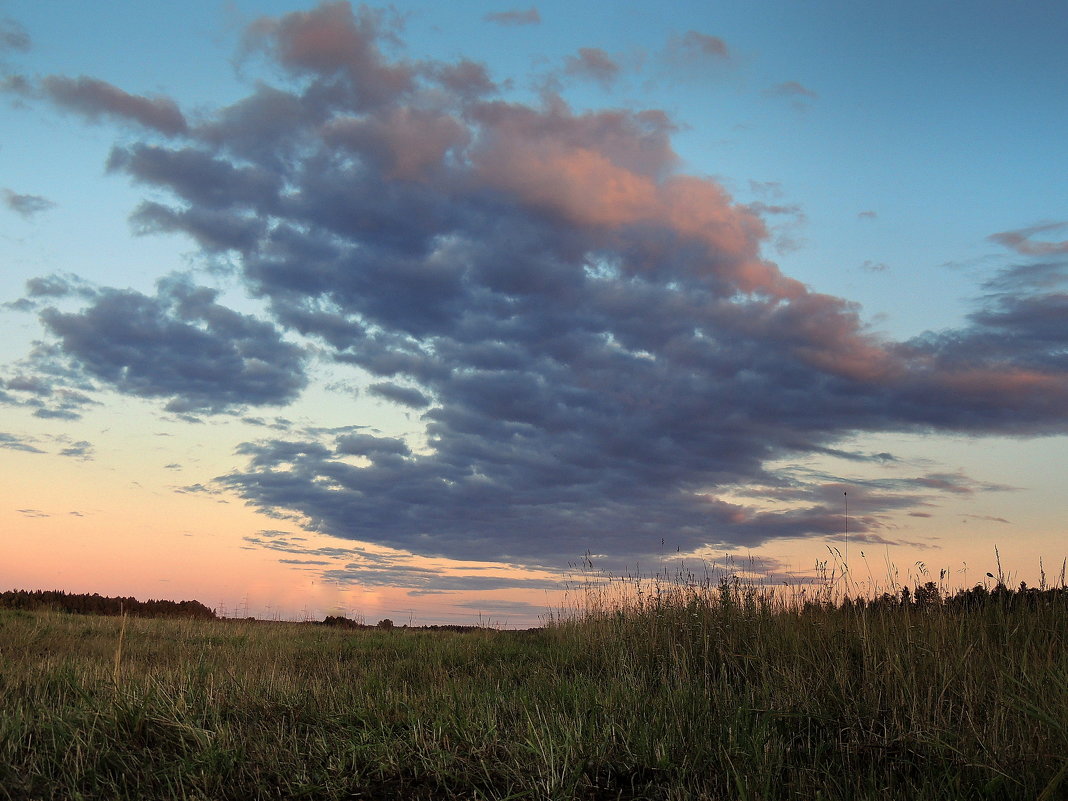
1007 385
610 171
1023 240
468 79
331 38
95 98
409 143
593 63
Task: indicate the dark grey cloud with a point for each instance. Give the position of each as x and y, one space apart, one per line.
310 562
361 567
405 396
430 580
600 348
292 544
180 345
58 285
16 443
13 36
26 205
44 383
515 17
1021 326
82 450
18 85
196 489
1028 278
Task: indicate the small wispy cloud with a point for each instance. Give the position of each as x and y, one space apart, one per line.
26 206
789 89
798 94
82 450
595 64
13 36
515 17
17 443
1026 241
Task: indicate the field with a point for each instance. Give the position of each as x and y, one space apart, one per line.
678 691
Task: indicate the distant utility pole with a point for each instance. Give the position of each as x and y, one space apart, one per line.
845 498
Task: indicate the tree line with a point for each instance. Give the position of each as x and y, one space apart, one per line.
85 604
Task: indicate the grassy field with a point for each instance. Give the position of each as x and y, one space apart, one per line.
677 692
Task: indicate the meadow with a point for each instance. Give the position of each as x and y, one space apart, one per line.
662 689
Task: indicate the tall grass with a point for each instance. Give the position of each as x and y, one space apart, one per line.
813 693
661 688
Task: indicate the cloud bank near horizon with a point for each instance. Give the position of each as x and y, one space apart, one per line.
597 346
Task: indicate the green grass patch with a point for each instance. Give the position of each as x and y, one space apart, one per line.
689 692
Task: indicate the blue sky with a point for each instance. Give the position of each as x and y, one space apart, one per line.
408 309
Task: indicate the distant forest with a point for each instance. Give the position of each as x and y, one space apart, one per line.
100 605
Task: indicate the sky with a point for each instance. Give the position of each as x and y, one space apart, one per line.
409 311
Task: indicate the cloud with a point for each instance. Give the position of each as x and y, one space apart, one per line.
333 41
601 349
180 345
691 56
694 47
44 383
58 286
528 17
81 450
990 518
94 99
16 443
1024 241
26 205
595 64
790 89
405 396
13 36
430 580
304 562
957 483
874 266
1029 278
798 94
